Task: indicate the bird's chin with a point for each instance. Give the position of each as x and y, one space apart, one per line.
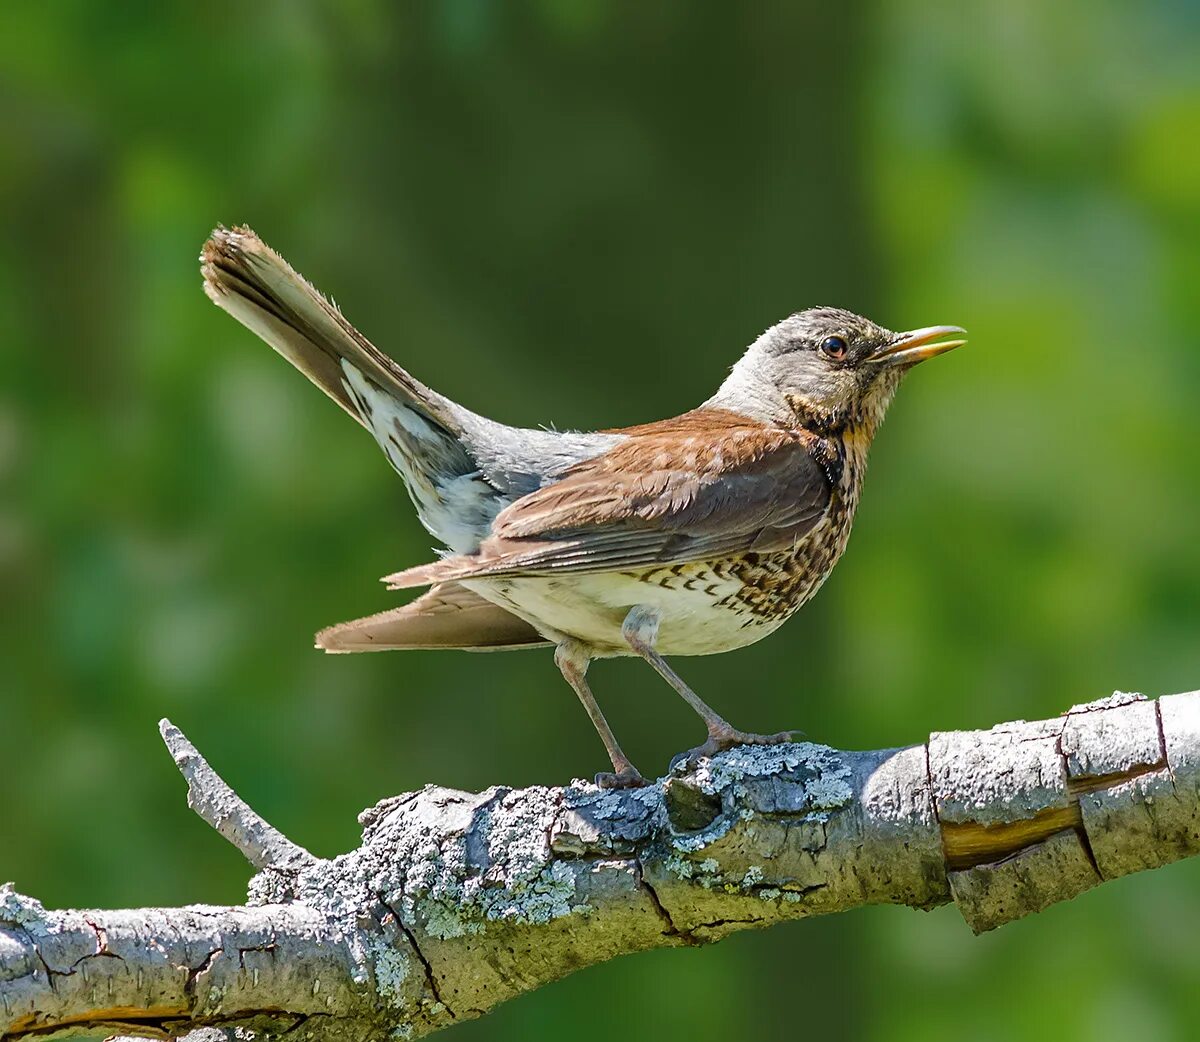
881 391
883 380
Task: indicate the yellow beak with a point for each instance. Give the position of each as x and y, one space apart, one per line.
917 345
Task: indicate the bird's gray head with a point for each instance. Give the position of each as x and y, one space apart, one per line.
827 367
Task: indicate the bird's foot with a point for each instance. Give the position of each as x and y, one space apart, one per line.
729 738
628 778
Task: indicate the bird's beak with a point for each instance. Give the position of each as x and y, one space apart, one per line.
917 345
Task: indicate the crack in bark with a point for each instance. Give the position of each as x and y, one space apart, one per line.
163 1026
729 922
51 972
195 972
371 817
270 948
1162 743
101 937
783 888
1085 842
1082 784
969 844
685 936
477 853
430 976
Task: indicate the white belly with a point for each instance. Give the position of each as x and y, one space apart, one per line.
699 612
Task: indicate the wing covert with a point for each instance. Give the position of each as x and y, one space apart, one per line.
662 498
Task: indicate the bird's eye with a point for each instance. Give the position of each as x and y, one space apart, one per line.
833 347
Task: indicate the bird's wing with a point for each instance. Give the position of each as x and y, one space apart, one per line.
658 498
448 616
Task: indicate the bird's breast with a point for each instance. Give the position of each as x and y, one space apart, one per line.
705 607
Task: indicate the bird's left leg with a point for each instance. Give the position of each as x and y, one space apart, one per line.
572 659
640 631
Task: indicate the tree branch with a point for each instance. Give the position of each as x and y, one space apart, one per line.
457 901
263 845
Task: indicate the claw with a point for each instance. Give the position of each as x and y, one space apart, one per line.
718 743
627 779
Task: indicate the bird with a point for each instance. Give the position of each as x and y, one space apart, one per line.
694 535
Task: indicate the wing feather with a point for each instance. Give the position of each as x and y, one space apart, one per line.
656 499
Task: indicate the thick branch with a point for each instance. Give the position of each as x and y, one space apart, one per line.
457 901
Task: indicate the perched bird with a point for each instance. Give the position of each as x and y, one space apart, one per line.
689 536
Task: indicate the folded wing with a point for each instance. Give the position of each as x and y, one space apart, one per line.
661 497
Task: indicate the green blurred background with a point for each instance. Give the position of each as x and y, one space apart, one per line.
579 213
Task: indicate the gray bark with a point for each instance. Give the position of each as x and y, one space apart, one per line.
457 901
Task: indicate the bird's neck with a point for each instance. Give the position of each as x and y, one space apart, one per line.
844 433
856 422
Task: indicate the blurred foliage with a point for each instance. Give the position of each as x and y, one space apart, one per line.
579 213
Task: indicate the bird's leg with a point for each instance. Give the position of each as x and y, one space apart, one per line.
640 631
572 659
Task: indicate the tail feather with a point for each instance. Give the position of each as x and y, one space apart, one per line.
448 616
249 280
420 432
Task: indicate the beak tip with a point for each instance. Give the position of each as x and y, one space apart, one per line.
917 345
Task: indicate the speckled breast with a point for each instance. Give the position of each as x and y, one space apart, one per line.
705 607
765 588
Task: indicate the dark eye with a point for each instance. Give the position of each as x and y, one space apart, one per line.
833 347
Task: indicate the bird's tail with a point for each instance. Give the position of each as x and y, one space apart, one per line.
448 616
248 279
417 428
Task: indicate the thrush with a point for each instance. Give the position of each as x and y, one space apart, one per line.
692 535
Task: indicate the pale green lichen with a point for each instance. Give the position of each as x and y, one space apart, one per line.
750 761
548 895
612 804
829 792
391 971
820 773
444 921
706 873
759 761
458 907
522 882
17 908
679 867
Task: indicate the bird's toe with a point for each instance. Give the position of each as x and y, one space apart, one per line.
631 778
719 743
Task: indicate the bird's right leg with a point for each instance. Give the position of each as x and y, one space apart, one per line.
640 631
572 659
